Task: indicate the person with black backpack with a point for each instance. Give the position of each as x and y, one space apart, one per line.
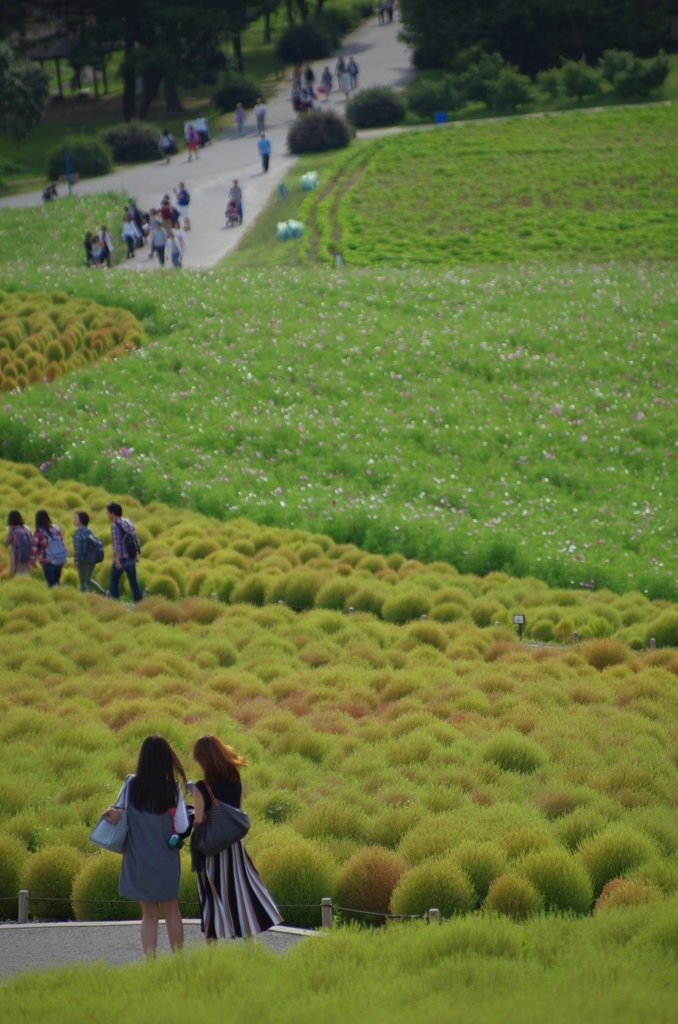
19 540
126 549
88 552
48 548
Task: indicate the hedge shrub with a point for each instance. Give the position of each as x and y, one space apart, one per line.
560 879
513 752
233 88
98 880
313 40
514 897
297 871
88 157
626 892
131 143
49 877
378 107
317 132
440 884
368 879
426 98
13 856
613 853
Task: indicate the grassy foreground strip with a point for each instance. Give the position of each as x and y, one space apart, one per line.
614 969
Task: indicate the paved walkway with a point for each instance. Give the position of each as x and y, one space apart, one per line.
382 61
26 946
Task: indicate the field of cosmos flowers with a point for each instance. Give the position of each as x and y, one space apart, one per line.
346 482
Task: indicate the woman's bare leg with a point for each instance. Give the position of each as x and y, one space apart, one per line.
150 915
175 926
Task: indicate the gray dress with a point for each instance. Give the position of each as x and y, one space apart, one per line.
151 870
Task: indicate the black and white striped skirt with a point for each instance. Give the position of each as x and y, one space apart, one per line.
234 902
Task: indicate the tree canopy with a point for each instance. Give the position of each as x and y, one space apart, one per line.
24 91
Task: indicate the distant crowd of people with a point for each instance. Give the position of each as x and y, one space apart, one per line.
45 546
160 229
304 96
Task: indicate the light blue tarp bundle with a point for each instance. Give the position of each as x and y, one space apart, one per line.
289 229
309 181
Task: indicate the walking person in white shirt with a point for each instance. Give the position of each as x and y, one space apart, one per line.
260 114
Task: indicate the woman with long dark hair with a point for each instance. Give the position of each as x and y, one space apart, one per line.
48 548
234 902
151 863
19 540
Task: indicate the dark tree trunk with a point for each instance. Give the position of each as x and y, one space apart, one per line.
172 101
267 26
128 72
96 84
152 80
319 7
290 13
103 75
237 51
303 9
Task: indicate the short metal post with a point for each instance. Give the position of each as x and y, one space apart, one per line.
23 906
147 593
433 915
575 637
214 597
424 617
326 911
496 625
653 644
351 610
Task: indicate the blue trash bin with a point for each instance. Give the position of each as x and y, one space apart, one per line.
440 117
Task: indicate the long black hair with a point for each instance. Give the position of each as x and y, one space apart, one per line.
154 788
15 518
42 520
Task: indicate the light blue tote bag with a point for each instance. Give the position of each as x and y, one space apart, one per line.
112 837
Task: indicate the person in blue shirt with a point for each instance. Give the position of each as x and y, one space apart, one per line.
264 147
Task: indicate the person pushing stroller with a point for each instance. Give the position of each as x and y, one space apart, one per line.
234 205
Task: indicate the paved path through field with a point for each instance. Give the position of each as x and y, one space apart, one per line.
27 946
382 61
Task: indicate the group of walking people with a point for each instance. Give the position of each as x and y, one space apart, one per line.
161 228
45 546
234 902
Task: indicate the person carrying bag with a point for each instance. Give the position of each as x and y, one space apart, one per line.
234 902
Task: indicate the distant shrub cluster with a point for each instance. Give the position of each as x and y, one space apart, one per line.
45 336
131 143
88 157
317 132
378 107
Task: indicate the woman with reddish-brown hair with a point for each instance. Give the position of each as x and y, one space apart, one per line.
234 901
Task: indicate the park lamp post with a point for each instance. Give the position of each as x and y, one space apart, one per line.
519 621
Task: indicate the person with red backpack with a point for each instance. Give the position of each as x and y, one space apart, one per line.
19 540
88 552
126 549
48 548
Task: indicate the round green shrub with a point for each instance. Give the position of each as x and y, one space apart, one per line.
440 884
484 613
197 580
410 605
233 88
389 827
50 873
368 879
317 132
626 892
13 855
513 752
311 39
332 818
201 548
377 107
367 599
251 590
542 630
509 91
224 652
131 143
310 551
482 863
98 880
164 586
664 630
560 879
335 593
583 823
448 612
301 589
613 853
88 157
297 871
427 98
602 653
514 897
